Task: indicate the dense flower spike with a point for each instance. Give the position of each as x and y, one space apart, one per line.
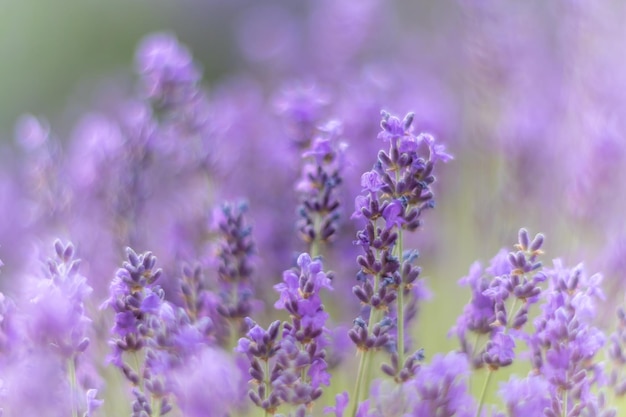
261 346
501 297
290 367
134 297
566 342
58 329
395 193
321 176
235 252
139 306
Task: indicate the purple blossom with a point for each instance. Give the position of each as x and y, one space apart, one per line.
235 255
167 68
341 402
441 388
208 385
302 107
393 128
303 289
393 214
371 181
500 350
321 175
57 305
527 396
511 275
93 403
479 313
565 342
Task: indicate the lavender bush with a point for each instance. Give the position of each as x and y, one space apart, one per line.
270 246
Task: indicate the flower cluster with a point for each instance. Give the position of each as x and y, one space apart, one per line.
396 192
235 253
298 367
321 176
500 302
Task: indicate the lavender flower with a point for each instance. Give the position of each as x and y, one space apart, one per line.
291 368
525 397
441 388
321 175
565 342
501 297
235 257
138 304
207 385
170 77
134 297
302 107
57 324
396 191
58 315
260 346
302 354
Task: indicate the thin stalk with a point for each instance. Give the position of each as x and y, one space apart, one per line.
400 302
155 405
375 317
138 369
483 393
359 381
73 385
314 249
362 379
266 381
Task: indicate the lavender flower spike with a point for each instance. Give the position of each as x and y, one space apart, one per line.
395 194
235 253
321 176
57 322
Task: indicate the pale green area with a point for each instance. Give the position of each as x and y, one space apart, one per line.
50 51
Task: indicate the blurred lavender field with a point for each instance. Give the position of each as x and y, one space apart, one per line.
240 150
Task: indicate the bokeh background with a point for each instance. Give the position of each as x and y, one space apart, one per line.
528 97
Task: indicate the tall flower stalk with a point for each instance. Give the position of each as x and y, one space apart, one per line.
395 193
319 208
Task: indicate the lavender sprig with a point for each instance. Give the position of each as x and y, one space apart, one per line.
290 367
235 255
500 302
396 192
57 318
137 301
566 342
321 175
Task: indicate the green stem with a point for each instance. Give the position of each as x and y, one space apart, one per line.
483 393
400 302
155 404
266 381
73 385
359 381
362 379
138 370
512 313
314 249
375 317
